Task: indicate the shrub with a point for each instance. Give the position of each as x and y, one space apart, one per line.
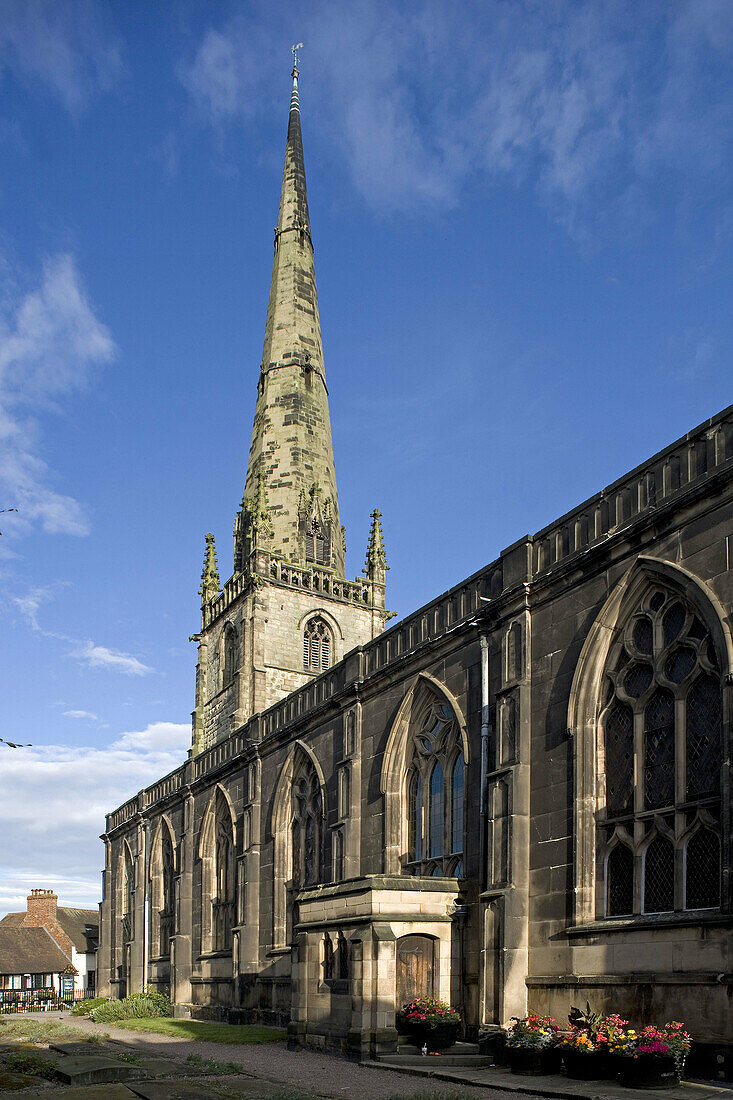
137 1006
83 1008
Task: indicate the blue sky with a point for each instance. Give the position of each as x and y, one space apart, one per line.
522 219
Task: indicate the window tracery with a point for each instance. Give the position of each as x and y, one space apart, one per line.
662 722
306 828
317 645
434 791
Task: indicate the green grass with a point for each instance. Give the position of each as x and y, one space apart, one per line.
25 1030
205 1032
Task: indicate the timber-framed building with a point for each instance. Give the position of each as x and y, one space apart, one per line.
516 797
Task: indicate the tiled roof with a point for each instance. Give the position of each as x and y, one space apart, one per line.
29 951
80 925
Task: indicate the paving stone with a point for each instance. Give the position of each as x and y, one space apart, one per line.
175 1090
253 1086
12 1081
89 1071
85 1049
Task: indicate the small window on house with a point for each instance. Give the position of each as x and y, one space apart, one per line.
317 646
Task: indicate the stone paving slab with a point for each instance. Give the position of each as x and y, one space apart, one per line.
90 1071
96 1049
556 1087
10 1082
176 1090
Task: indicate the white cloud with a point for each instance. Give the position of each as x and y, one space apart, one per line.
88 653
50 341
98 656
589 102
60 45
61 794
82 715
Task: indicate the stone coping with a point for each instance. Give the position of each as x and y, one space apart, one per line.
368 883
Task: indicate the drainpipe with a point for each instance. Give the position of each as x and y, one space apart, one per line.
484 640
146 904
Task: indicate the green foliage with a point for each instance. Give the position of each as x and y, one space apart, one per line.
39 1031
205 1032
31 1064
135 1007
584 1019
212 1066
83 1008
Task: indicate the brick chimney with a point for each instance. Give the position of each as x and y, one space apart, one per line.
42 906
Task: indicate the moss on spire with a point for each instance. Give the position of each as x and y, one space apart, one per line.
375 565
210 586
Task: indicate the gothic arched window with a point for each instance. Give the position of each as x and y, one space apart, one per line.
218 885
231 655
434 793
306 828
662 724
317 646
162 889
128 895
317 543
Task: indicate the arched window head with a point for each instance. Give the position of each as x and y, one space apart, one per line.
662 725
317 645
514 652
162 891
218 885
434 792
306 827
317 542
231 654
128 895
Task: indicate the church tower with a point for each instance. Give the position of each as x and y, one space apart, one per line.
288 612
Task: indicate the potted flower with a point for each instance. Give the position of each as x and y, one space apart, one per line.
429 1022
653 1057
531 1045
585 1046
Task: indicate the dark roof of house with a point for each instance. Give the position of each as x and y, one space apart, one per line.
80 925
29 951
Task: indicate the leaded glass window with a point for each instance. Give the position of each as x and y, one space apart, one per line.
306 828
434 793
661 726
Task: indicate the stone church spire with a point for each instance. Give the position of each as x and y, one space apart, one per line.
291 439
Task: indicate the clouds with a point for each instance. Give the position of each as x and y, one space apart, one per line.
588 102
99 657
87 653
50 343
62 46
60 797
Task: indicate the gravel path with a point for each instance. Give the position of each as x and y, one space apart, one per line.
328 1074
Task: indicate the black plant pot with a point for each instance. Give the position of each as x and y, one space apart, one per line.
533 1063
593 1065
439 1037
648 1071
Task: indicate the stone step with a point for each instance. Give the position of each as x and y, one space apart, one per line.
403 1060
468 1049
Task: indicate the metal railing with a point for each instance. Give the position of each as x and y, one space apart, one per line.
40 1000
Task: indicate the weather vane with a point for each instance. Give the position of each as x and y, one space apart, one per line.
294 50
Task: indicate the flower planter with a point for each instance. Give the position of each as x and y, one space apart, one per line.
533 1063
648 1071
439 1037
587 1066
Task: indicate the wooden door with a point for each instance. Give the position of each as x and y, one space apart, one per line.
415 966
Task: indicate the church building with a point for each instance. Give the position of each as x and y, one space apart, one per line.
516 798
